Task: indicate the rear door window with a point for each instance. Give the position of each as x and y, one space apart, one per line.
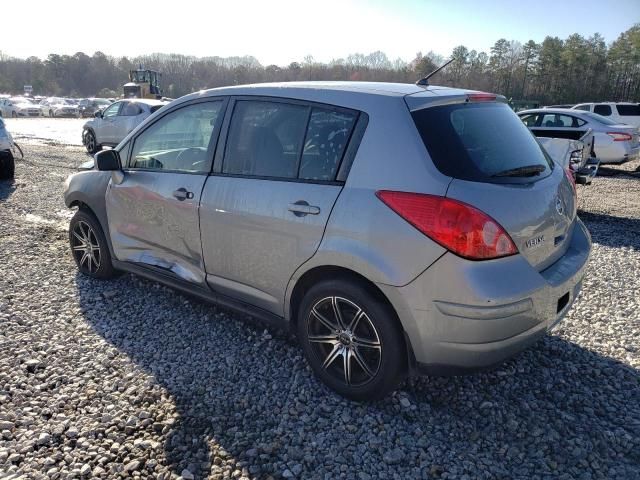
604 110
325 142
481 142
628 110
556 120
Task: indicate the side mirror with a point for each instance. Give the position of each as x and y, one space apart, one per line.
98 114
108 160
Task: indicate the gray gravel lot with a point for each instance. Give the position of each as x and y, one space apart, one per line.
129 379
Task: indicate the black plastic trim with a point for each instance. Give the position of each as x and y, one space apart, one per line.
203 293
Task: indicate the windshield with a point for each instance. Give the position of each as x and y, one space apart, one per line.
600 118
484 142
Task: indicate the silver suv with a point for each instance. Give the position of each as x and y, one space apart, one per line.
395 228
116 121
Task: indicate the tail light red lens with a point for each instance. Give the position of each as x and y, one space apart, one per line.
572 179
620 137
460 228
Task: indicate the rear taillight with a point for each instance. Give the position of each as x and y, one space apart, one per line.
458 227
575 159
572 180
620 137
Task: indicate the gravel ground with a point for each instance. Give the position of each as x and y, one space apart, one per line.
128 379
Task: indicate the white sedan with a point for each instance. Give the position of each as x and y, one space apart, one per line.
19 107
614 142
110 126
59 107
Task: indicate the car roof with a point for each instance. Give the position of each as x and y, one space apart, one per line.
358 95
608 103
373 88
149 101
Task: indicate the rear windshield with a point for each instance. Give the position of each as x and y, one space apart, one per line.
481 142
600 118
628 110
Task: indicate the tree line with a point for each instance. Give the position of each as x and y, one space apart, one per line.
554 71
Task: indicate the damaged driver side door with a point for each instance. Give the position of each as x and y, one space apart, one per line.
153 211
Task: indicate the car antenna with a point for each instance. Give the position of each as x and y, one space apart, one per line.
424 82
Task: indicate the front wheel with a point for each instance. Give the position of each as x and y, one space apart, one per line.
89 246
351 340
14 114
90 142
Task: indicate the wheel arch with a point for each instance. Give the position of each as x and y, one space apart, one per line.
326 272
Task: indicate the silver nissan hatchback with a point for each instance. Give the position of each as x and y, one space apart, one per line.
395 228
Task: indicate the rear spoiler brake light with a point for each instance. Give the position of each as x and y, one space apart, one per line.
481 97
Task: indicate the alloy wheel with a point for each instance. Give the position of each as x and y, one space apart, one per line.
91 142
85 247
344 340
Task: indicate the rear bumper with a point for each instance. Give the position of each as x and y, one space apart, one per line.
618 152
585 174
461 315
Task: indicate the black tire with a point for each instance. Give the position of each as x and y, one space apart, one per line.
85 226
90 142
51 113
384 366
14 114
7 166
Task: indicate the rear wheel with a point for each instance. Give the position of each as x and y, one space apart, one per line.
89 246
351 340
14 114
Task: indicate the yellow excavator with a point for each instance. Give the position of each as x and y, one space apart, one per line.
143 83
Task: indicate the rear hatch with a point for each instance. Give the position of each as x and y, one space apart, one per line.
498 167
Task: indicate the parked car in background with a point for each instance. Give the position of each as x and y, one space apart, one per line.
614 142
576 155
59 107
89 106
7 161
19 107
620 112
393 227
110 126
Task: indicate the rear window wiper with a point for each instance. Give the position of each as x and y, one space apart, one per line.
527 171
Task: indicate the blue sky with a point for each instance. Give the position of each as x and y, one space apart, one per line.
281 31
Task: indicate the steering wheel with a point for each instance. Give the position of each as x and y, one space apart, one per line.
191 155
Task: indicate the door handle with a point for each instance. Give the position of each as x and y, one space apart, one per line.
302 208
182 194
